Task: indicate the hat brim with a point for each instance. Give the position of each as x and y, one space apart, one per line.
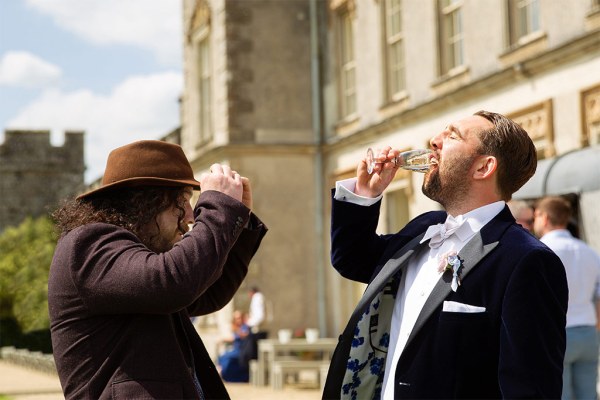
141 181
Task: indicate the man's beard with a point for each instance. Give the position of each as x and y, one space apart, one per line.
159 244
451 184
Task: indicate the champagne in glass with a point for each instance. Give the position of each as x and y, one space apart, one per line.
413 160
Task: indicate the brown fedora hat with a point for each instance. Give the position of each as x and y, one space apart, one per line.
146 163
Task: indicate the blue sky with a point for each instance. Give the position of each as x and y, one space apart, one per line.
111 68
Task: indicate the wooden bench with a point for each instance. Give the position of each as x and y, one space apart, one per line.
282 368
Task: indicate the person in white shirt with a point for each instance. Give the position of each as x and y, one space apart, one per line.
461 303
256 313
582 265
523 213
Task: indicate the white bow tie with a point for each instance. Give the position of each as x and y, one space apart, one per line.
440 232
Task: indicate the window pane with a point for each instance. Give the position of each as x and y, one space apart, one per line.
534 16
451 40
347 67
526 18
394 47
347 44
394 20
204 91
457 39
396 68
522 22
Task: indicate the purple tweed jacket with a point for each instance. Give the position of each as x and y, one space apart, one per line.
120 313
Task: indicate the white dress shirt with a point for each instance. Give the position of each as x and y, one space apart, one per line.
582 265
419 277
256 314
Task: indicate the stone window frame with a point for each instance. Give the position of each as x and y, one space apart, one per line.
394 73
199 36
590 116
592 18
451 37
526 46
450 77
517 34
530 118
344 12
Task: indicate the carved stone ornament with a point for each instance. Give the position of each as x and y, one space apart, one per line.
537 120
200 18
590 100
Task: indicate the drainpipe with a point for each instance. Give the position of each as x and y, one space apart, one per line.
318 166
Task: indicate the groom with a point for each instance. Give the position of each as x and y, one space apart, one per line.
460 304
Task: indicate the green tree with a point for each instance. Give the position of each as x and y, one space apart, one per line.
25 255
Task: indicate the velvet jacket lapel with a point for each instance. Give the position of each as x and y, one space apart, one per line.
470 254
397 262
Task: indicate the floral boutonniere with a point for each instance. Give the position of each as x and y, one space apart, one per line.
451 262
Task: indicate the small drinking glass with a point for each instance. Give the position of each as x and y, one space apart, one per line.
413 160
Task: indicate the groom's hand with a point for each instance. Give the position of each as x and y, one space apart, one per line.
384 171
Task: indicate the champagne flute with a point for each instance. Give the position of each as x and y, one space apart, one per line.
413 160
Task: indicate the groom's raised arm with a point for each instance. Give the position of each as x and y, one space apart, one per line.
355 246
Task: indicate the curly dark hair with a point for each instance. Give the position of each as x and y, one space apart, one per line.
131 208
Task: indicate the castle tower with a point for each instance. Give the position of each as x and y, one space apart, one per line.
35 176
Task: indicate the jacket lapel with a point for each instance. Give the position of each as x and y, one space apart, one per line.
471 254
393 265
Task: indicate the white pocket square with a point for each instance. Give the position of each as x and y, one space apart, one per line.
453 306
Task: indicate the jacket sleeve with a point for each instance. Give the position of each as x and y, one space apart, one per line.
355 246
234 271
114 272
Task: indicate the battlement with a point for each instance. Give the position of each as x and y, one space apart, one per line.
35 175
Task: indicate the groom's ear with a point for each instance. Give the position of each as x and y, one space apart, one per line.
484 167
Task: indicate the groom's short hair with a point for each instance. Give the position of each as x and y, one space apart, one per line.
514 150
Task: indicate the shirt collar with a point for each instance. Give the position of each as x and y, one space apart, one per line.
556 233
477 218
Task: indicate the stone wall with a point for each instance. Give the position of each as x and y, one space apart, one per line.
261 126
35 176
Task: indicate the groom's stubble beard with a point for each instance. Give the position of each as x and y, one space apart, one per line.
447 184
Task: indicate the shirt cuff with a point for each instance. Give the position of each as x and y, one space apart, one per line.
344 191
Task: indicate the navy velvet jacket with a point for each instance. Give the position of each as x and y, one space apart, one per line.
514 349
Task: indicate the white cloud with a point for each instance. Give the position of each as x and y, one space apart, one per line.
23 69
152 25
141 107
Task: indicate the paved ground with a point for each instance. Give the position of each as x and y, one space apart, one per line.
19 383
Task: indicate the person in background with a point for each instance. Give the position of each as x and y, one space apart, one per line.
129 272
256 313
232 369
582 265
523 213
256 316
461 303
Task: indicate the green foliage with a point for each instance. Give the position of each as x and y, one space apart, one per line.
25 255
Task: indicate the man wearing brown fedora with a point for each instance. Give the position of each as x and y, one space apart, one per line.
128 273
